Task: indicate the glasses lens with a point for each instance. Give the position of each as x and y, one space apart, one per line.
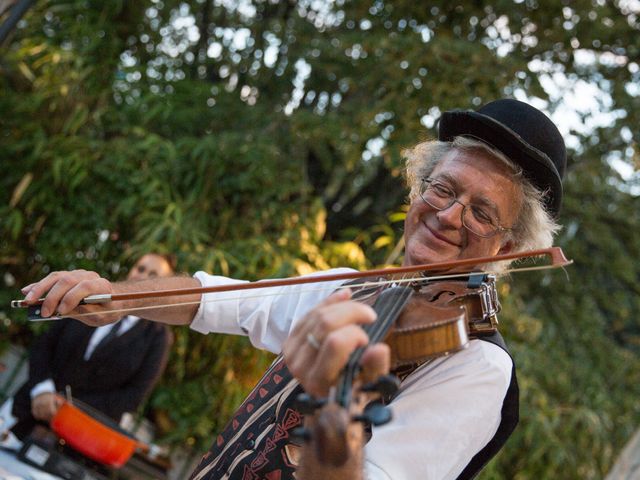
484 227
475 219
436 196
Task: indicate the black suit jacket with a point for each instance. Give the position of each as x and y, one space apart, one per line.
114 380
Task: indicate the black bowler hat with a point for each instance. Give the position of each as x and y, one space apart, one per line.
523 133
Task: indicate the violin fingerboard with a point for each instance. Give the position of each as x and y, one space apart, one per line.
388 307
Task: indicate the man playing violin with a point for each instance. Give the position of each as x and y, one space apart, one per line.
490 184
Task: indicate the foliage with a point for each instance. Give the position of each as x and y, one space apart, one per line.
260 139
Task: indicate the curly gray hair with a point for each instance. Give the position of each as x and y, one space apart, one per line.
534 227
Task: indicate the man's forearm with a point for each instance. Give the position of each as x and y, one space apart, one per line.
173 310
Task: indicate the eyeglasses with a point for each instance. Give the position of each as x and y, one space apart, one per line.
441 197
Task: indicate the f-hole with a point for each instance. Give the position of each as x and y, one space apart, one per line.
437 296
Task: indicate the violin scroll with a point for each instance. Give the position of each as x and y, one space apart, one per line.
337 432
335 436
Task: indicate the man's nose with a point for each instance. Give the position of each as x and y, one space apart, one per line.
452 215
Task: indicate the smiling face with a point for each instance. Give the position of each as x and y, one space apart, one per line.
477 179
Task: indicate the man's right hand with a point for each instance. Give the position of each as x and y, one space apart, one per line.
65 290
45 406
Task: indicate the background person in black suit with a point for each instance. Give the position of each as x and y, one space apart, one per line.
111 368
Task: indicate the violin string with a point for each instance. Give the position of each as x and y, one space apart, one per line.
378 327
405 279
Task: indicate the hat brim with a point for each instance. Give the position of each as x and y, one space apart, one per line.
536 165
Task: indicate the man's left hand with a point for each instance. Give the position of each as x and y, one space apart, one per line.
320 345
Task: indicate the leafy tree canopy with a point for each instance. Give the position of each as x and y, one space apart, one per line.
263 138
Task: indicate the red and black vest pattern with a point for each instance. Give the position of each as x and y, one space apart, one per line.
257 443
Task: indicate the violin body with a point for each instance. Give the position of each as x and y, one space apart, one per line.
439 318
425 331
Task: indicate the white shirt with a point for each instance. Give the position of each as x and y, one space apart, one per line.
445 412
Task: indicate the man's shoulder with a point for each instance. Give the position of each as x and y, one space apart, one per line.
480 360
67 327
488 358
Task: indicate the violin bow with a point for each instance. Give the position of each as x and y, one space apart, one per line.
555 255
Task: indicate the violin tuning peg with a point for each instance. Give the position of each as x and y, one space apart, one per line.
307 404
301 433
385 385
376 414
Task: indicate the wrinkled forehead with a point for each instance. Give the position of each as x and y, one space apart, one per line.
477 166
487 160
483 177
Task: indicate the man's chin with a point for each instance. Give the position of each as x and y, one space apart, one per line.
428 257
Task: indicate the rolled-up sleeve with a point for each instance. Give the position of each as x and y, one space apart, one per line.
265 315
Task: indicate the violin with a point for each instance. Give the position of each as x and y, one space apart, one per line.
419 322
425 320
440 317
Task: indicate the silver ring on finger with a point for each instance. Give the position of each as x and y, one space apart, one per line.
313 341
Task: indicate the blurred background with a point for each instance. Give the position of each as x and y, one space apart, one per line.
261 139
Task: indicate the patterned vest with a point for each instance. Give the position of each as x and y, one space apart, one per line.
257 443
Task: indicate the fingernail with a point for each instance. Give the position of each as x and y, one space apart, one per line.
29 296
44 312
